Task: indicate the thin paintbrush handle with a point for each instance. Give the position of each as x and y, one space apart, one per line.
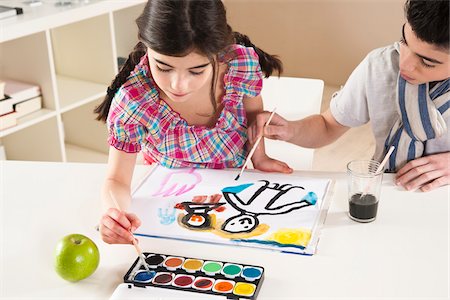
257 141
118 207
135 244
268 120
388 154
249 156
379 169
140 254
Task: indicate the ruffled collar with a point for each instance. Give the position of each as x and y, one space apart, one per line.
229 99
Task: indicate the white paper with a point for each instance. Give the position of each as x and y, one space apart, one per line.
283 225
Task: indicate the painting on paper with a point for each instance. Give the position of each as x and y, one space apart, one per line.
263 210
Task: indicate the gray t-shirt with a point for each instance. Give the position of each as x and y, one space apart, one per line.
370 95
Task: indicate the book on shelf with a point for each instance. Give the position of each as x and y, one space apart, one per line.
8 120
20 109
7 11
15 92
6 105
28 106
21 90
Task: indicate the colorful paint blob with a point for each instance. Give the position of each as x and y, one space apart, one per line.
154 260
192 265
231 270
172 263
223 286
251 273
236 189
163 278
212 267
203 283
144 276
182 280
292 236
311 197
244 289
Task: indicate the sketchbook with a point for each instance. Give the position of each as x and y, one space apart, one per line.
262 210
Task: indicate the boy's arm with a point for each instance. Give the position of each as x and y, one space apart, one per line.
317 130
311 132
115 224
427 173
260 160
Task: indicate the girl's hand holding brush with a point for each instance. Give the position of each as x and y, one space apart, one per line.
116 225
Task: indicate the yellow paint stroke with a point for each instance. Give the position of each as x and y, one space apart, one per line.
217 225
291 236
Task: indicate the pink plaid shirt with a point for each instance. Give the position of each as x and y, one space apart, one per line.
140 120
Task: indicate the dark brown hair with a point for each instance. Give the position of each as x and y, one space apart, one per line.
430 21
177 27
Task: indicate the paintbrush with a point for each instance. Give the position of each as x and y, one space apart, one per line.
135 244
249 156
379 169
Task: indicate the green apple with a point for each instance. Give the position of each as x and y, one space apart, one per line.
76 257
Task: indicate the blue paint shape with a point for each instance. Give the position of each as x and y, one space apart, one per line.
311 198
271 243
251 272
166 218
236 189
144 276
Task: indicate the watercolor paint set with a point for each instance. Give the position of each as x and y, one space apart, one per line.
219 278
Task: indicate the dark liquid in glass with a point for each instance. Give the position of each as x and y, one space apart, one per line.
365 208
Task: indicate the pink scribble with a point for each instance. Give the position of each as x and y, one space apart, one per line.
178 182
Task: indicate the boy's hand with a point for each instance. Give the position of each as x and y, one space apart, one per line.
426 173
115 226
267 164
278 129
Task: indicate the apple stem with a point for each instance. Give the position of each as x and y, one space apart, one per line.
76 241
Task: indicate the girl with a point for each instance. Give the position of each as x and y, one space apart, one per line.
184 98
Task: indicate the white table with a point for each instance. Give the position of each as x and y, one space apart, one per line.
403 254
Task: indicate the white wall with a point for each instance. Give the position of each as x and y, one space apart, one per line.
323 39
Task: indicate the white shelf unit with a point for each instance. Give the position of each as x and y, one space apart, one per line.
71 53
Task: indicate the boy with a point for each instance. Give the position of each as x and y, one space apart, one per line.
403 89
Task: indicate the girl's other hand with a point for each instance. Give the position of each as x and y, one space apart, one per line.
116 227
267 164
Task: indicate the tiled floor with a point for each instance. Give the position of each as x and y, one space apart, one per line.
357 143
